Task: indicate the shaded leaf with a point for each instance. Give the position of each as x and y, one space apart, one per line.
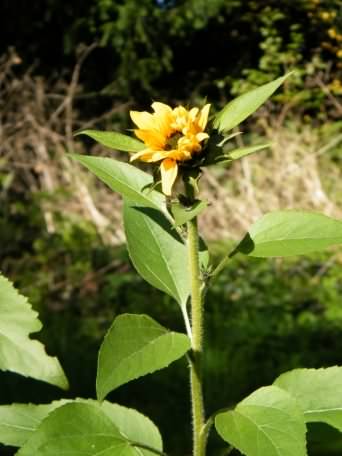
125 179
134 346
157 251
19 353
114 140
243 106
318 392
285 233
268 422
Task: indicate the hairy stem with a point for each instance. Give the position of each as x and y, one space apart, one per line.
199 440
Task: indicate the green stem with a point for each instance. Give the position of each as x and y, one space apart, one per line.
199 440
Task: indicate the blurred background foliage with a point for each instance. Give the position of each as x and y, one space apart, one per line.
183 47
66 66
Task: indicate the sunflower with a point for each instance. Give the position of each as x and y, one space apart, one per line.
170 136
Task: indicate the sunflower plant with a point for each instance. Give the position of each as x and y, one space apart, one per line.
160 215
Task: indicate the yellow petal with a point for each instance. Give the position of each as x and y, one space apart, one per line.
143 119
160 155
178 154
203 118
180 115
144 155
193 114
163 118
179 111
161 108
150 155
201 136
169 170
152 138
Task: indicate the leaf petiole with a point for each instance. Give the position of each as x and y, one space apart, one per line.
147 447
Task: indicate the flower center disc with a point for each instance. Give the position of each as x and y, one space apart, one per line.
172 141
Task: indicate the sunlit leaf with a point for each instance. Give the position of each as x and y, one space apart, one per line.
114 140
227 138
243 106
241 152
134 346
285 233
157 251
18 422
318 392
90 429
19 353
266 423
125 179
135 426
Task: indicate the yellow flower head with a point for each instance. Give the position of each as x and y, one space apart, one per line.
170 136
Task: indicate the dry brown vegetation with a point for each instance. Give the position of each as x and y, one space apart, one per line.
37 121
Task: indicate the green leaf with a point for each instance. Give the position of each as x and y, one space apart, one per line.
135 426
318 392
19 421
135 346
238 153
243 151
243 106
157 252
266 423
227 138
285 233
90 429
18 353
183 214
114 140
125 179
